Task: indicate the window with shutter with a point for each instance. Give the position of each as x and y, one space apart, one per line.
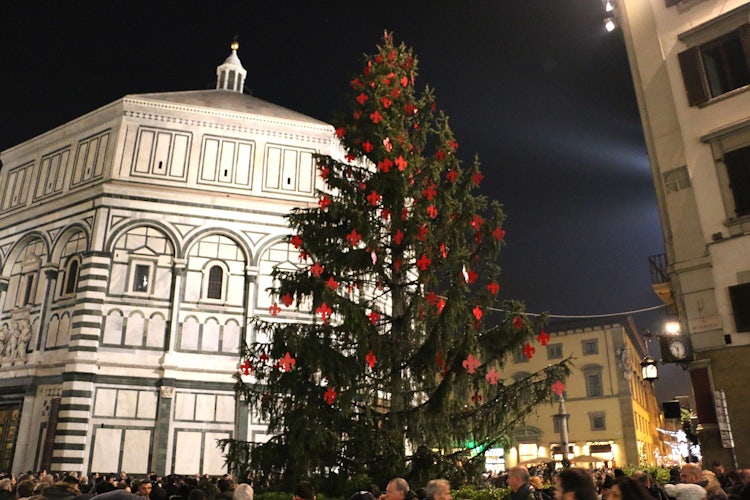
740 298
738 171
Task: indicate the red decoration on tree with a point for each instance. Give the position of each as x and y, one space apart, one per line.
374 317
371 359
518 322
287 362
245 367
398 237
453 145
422 232
498 233
324 202
324 311
367 146
558 388
542 338
386 101
404 81
471 364
476 398
410 109
340 132
424 262
397 264
440 360
287 299
493 288
353 238
385 165
330 396
296 241
274 309
528 350
430 192
477 178
362 98
477 312
452 175
440 305
373 198
376 117
492 376
316 269
401 163
440 155
332 284
476 222
443 250
432 211
472 276
432 298
263 357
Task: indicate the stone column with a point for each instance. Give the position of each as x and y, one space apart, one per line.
50 273
72 441
178 277
160 441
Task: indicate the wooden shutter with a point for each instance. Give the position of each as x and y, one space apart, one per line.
693 75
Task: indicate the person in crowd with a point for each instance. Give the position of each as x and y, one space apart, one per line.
62 490
605 488
25 488
142 487
518 482
397 489
653 487
628 488
226 489
712 486
304 491
438 489
742 490
575 484
243 492
691 474
685 491
362 495
6 489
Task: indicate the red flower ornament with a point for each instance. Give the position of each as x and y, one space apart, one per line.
332 283
317 269
287 362
330 396
492 376
424 262
324 312
543 338
376 117
353 238
274 309
374 198
374 318
324 202
471 364
401 163
558 388
296 241
371 359
528 350
477 312
287 299
518 322
493 288
498 233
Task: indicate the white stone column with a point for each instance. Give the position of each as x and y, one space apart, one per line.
178 276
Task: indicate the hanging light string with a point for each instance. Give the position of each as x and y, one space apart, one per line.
589 316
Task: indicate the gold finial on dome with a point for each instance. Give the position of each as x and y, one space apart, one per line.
235 44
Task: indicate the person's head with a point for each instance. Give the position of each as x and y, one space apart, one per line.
143 488
6 484
606 487
575 484
438 489
517 477
243 492
25 488
691 474
744 475
61 490
628 488
304 491
536 482
224 485
397 489
197 494
718 469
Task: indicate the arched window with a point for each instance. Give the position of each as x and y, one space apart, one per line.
71 278
215 283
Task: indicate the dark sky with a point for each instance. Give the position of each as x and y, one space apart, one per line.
537 88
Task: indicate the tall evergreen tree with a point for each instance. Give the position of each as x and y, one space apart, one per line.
398 364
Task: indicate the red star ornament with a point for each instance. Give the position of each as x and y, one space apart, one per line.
401 164
373 198
374 318
558 388
386 101
353 238
429 192
287 299
330 396
493 288
362 98
477 312
296 241
274 309
367 146
492 376
471 364
316 269
432 211
371 359
385 165
324 312
542 338
528 350
245 367
287 362
324 202
332 283
376 117
424 262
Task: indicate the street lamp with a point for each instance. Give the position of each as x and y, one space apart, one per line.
649 371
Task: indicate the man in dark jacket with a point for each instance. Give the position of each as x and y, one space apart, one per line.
518 481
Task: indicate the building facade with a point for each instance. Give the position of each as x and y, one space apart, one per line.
613 412
135 243
690 61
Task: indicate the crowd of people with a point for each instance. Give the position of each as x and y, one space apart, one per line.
688 483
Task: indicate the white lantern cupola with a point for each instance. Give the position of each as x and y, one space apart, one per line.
231 75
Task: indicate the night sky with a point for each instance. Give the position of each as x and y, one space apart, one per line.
537 88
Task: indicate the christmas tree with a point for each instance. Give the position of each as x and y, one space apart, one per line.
396 372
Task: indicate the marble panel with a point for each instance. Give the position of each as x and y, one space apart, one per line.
225 408
184 406
210 338
213 460
104 405
106 454
205 407
135 451
187 457
127 402
134 330
147 401
189 335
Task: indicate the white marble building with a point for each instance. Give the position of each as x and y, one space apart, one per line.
135 243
